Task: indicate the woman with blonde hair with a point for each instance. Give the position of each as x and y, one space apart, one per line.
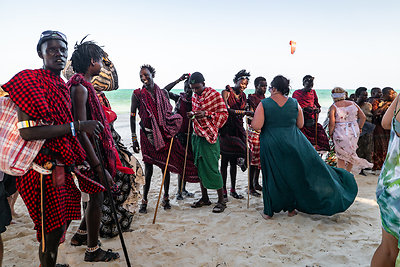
346 120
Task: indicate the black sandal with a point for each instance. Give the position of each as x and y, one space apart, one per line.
143 207
62 265
200 203
254 193
107 256
187 194
220 207
236 195
165 203
79 240
179 196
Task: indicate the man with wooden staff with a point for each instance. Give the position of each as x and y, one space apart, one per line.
209 114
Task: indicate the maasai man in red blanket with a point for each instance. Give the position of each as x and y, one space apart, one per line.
42 97
308 100
260 84
182 107
87 61
209 114
233 135
157 128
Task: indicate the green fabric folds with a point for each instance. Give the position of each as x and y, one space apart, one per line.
206 158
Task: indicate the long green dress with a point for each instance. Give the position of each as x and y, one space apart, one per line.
294 175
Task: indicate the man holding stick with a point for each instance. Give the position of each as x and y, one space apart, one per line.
209 114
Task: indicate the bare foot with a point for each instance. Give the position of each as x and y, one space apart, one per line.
265 216
292 213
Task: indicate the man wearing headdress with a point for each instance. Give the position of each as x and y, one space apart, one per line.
308 100
233 135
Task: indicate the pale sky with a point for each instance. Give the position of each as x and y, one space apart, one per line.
341 43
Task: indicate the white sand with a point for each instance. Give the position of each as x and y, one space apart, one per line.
237 237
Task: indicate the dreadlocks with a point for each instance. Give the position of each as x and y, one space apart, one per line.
84 53
241 75
150 68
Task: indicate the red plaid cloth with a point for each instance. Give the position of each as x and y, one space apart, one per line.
216 113
164 124
43 95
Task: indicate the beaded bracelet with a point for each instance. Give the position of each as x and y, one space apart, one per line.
239 111
134 138
72 128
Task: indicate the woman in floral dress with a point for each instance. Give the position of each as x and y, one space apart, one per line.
345 121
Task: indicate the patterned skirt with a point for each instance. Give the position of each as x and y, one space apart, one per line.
126 203
254 144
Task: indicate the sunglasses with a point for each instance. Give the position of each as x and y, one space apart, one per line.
46 34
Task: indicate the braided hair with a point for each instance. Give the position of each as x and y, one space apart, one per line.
150 68
241 75
83 53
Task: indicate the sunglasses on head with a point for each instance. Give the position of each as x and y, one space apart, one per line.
53 34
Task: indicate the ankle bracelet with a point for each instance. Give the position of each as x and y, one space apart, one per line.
88 249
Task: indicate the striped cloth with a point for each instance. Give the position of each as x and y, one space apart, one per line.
216 113
17 154
254 145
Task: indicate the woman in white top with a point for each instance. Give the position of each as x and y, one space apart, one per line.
346 120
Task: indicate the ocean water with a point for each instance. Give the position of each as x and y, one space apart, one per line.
120 100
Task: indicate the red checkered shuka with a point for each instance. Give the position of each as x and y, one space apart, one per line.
216 113
44 96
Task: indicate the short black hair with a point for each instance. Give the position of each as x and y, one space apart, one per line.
241 74
281 84
258 80
308 77
360 90
375 89
196 77
84 52
150 68
386 90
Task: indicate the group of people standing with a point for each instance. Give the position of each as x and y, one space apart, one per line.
281 137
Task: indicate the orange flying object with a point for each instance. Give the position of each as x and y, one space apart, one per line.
292 47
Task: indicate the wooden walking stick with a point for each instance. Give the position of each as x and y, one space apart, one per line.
162 183
186 150
316 128
42 189
248 164
114 210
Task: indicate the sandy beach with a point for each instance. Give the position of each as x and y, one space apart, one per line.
237 237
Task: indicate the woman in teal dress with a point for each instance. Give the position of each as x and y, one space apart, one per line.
388 193
294 175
